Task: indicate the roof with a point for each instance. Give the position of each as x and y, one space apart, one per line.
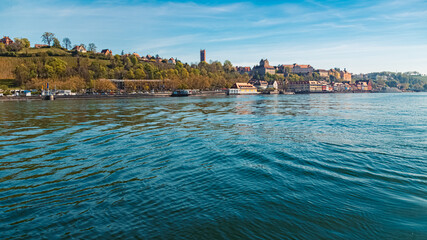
79 47
244 85
290 66
302 66
6 39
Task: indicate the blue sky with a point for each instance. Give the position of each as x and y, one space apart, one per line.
362 36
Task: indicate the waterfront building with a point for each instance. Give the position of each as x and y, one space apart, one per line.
342 87
241 89
6 40
203 55
106 52
273 85
263 68
299 87
259 84
80 48
309 87
363 85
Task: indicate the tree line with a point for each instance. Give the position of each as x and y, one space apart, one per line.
89 72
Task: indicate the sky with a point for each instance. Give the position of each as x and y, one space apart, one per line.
361 36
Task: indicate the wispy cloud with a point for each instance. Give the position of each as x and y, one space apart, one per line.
324 33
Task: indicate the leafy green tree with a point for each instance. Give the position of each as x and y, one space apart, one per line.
134 60
22 74
55 68
392 83
16 46
228 67
2 48
56 43
25 42
139 73
47 37
67 43
316 76
130 74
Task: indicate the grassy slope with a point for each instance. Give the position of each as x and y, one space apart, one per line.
56 51
8 64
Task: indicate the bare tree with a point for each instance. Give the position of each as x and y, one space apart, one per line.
67 43
92 47
47 37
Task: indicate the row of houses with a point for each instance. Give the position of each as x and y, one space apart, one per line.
82 49
323 86
147 58
150 58
257 86
264 67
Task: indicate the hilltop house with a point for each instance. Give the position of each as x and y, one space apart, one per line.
40 45
171 61
106 52
243 70
6 40
295 68
80 48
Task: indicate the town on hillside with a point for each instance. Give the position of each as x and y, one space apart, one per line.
81 69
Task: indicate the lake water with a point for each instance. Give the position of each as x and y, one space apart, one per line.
320 166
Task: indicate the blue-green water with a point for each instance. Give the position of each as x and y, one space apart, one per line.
327 166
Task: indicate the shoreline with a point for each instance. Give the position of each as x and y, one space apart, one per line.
115 96
148 95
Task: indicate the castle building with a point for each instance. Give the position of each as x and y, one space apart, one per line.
264 68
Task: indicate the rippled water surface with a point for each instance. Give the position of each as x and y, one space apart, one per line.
327 166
